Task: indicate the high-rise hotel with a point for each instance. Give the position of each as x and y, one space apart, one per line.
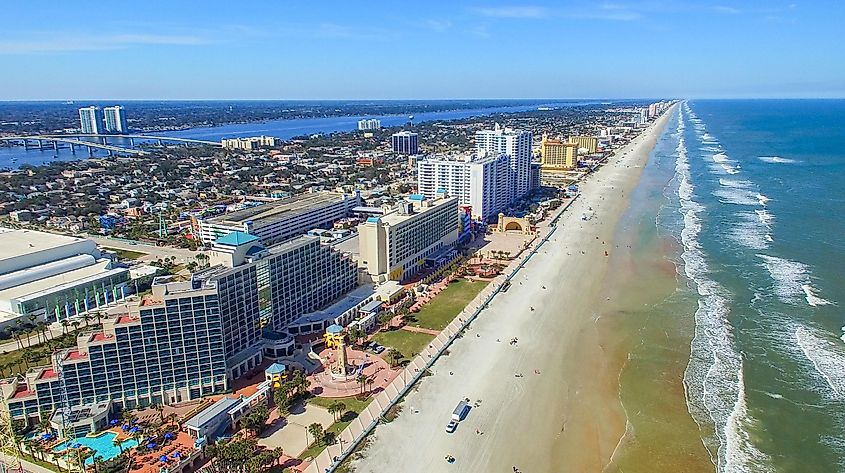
516 144
188 338
480 182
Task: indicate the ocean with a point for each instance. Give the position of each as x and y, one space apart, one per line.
743 333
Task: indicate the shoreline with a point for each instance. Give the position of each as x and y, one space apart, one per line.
577 426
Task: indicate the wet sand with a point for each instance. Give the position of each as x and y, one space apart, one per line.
569 416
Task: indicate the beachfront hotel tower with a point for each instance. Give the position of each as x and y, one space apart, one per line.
189 337
115 119
480 182
418 232
556 154
91 120
516 144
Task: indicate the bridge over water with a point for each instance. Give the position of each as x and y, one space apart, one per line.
42 142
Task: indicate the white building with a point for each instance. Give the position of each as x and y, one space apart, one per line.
482 182
282 219
115 119
248 144
371 124
53 277
91 120
417 233
516 145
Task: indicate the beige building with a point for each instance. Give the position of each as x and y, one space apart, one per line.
399 243
249 144
556 154
590 143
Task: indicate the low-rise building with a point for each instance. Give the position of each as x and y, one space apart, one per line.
282 219
53 277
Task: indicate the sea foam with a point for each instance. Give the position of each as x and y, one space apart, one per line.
792 279
713 379
776 160
826 357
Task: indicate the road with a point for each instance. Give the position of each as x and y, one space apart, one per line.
151 252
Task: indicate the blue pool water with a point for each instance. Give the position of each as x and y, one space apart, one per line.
102 444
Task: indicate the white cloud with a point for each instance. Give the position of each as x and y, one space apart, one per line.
47 43
513 12
438 25
725 9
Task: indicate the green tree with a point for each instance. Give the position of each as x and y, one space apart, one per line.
317 432
336 409
394 357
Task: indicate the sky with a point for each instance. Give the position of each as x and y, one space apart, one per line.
95 50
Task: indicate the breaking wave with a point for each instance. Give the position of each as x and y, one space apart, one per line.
713 380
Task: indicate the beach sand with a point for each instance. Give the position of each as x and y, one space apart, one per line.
569 416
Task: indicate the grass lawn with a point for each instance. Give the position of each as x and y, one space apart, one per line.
438 313
126 254
354 406
410 344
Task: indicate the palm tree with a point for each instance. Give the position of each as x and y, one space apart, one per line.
361 379
394 356
65 322
117 443
336 408
316 431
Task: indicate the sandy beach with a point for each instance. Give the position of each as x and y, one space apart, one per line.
563 414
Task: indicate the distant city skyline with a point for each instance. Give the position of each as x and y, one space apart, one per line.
432 50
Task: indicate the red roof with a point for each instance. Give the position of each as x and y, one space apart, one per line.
100 337
22 392
76 355
48 373
124 319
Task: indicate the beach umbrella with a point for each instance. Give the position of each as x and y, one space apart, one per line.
177 455
125 426
45 437
134 429
168 435
163 458
151 445
114 422
77 445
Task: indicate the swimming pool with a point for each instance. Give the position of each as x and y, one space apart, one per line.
102 444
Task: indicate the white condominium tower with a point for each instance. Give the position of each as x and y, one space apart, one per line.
91 120
478 181
516 145
115 119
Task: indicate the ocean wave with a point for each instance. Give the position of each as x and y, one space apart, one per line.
765 217
762 199
826 357
713 379
776 160
750 232
735 183
736 196
792 279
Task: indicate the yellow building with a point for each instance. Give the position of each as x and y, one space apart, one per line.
590 143
555 154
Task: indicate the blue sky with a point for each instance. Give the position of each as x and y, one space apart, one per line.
420 50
